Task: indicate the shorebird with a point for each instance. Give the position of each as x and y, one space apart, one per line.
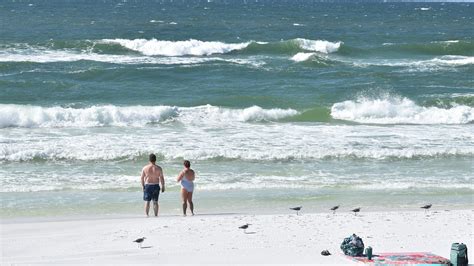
297 209
139 241
245 226
426 207
356 210
333 209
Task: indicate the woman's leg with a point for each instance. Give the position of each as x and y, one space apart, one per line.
190 200
184 197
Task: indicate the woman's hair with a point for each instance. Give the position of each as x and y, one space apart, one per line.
187 163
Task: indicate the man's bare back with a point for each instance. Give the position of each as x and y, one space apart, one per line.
152 174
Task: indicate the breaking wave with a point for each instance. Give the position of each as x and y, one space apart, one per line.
397 110
192 47
292 47
109 115
143 51
320 46
301 57
243 146
41 55
178 48
314 59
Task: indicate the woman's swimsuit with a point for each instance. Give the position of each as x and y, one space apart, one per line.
187 185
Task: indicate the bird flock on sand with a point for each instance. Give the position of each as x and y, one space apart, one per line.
244 227
333 209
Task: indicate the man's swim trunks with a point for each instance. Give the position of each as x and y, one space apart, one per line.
151 192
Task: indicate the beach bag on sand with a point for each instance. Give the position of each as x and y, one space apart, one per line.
353 246
459 254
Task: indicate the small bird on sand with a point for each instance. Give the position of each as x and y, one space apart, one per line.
297 209
139 241
356 210
426 207
245 226
333 209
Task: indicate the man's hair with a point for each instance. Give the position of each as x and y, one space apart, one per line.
187 163
152 158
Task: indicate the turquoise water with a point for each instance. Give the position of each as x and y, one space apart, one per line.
275 103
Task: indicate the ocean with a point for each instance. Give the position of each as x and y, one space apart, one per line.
275 103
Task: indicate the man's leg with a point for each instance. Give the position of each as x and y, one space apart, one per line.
184 197
147 208
156 207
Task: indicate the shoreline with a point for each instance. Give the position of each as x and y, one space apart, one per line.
215 238
177 213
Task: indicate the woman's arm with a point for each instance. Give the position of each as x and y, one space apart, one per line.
180 176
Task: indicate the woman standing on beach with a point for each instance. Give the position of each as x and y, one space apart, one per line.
186 177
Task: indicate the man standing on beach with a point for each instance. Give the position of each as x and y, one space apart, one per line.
152 177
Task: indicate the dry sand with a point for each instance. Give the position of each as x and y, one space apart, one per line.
205 239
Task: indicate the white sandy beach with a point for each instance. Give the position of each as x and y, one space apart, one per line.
206 239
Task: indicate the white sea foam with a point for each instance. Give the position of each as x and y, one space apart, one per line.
155 47
42 55
449 41
373 186
434 64
396 110
35 116
98 116
414 185
50 56
201 137
455 95
210 181
254 113
107 151
452 60
320 46
300 57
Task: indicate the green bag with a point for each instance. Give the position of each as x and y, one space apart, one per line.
353 246
459 254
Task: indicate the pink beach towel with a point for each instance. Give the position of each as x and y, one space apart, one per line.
413 258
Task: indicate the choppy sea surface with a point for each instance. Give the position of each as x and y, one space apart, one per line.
275 103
